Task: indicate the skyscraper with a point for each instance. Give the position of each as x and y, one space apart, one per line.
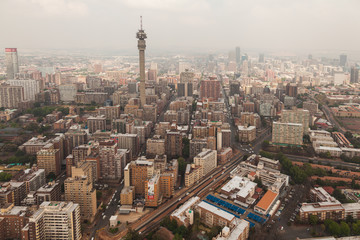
12 65
237 54
343 60
141 35
354 75
261 58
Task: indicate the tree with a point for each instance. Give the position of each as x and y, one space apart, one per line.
177 237
98 195
181 166
334 229
258 181
51 176
313 219
132 235
265 144
186 147
344 229
4 176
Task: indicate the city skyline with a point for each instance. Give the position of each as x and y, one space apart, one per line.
201 26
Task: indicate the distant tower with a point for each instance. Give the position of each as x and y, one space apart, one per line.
141 35
343 60
12 65
237 55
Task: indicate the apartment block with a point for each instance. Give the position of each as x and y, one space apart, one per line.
207 160
287 133
300 116
79 189
246 134
54 220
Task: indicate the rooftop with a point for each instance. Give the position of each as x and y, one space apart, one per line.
216 211
267 200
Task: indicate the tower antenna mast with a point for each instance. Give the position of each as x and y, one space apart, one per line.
141 23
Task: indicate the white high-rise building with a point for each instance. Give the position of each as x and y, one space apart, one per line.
12 64
55 221
31 87
207 160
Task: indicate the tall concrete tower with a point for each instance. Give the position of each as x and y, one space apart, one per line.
12 65
141 35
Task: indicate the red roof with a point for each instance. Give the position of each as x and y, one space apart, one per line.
252 174
329 189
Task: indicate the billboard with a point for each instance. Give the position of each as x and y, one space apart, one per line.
151 189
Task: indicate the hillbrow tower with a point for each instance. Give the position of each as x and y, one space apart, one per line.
141 35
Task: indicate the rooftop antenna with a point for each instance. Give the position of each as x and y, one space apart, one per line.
141 23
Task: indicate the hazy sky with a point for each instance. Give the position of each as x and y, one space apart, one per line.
203 25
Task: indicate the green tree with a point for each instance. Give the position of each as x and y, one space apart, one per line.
265 144
313 219
132 235
334 229
51 176
177 237
186 147
181 166
98 195
4 176
344 229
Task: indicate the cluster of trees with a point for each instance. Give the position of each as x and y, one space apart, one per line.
132 235
186 147
19 157
179 232
113 230
355 159
33 127
350 227
4 177
354 141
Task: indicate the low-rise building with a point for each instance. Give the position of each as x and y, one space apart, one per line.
266 202
184 215
239 188
240 231
213 216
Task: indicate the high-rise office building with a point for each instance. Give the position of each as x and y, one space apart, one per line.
343 60
261 58
354 75
237 55
11 96
141 35
12 64
54 220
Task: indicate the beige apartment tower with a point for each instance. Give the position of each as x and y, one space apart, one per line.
79 189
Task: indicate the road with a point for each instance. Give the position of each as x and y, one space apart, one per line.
101 221
329 115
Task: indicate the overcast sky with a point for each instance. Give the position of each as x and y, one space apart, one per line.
184 25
